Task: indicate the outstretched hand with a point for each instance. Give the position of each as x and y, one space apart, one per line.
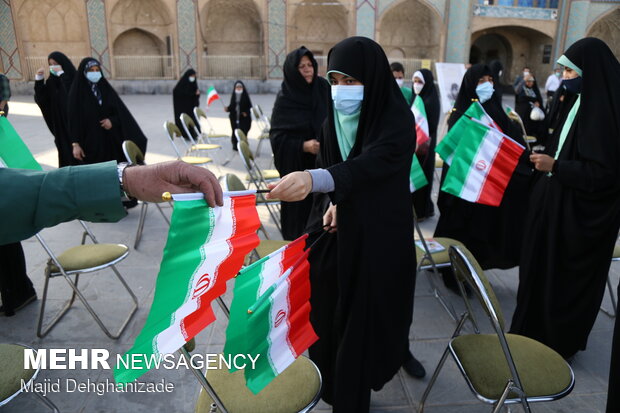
149 182
293 187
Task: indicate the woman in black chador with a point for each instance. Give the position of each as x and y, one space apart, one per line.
426 153
185 97
239 111
363 305
574 214
51 96
297 116
99 121
492 234
529 97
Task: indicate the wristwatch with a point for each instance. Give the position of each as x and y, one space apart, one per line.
120 169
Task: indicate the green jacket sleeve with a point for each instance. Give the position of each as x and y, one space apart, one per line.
34 200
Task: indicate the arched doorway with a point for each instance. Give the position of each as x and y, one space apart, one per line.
608 29
232 39
318 25
137 55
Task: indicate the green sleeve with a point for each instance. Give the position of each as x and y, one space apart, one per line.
34 200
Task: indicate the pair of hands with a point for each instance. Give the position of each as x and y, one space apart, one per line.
78 152
41 70
312 146
542 162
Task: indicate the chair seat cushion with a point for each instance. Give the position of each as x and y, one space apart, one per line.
12 368
296 388
440 257
542 371
266 247
205 146
88 256
616 252
268 174
196 160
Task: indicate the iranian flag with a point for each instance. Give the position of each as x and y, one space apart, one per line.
212 95
13 151
416 175
251 283
450 141
421 122
205 248
482 164
279 326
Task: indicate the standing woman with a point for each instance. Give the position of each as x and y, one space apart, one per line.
366 147
492 234
185 97
296 120
99 121
51 96
527 99
575 207
424 88
239 111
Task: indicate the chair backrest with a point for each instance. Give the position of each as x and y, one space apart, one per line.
172 132
256 114
190 127
468 271
241 136
233 183
133 154
246 153
199 113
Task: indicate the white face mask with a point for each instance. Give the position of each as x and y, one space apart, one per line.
347 98
400 82
417 88
192 78
54 69
238 92
525 73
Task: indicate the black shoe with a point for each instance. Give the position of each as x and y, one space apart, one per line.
414 368
130 203
19 306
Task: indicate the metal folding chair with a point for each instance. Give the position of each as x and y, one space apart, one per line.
500 368
612 295
173 133
264 124
134 156
84 258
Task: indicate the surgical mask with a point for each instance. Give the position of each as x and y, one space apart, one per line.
499 74
54 69
525 73
192 78
484 91
558 74
347 98
400 82
238 91
417 88
93 76
573 85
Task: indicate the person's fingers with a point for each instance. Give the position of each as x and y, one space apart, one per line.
203 180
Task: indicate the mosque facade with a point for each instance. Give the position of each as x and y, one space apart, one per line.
221 39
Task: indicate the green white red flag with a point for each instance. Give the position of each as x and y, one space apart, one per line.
13 151
212 95
421 121
205 248
446 148
417 179
279 326
250 284
483 163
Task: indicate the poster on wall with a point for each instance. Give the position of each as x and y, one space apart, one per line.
449 77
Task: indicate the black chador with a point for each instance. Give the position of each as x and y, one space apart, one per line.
574 213
422 197
239 112
299 111
89 104
51 95
185 98
492 234
362 292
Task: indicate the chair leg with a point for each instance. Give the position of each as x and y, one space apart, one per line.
42 332
437 294
161 211
614 305
143 211
442 361
275 218
44 400
260 142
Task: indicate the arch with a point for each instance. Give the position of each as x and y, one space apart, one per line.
143 13
607 28
138 54
318 25
231 27
47 21
413 26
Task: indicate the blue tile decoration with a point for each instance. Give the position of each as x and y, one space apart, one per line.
557 52
577 22
277 38
366 15
186 20
511 12
9 53
457 39
100 50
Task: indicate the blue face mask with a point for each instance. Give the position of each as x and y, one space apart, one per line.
573 85
93 76
484 91
347 98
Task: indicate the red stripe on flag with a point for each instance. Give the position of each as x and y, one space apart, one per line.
421 136
301 335
499 175
246 218
212 99
292 252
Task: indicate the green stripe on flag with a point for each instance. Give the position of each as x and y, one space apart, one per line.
416 175
447 147
13 151
182 255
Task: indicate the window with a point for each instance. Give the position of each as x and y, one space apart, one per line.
546 54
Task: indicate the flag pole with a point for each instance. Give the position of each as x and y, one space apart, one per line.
203 381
